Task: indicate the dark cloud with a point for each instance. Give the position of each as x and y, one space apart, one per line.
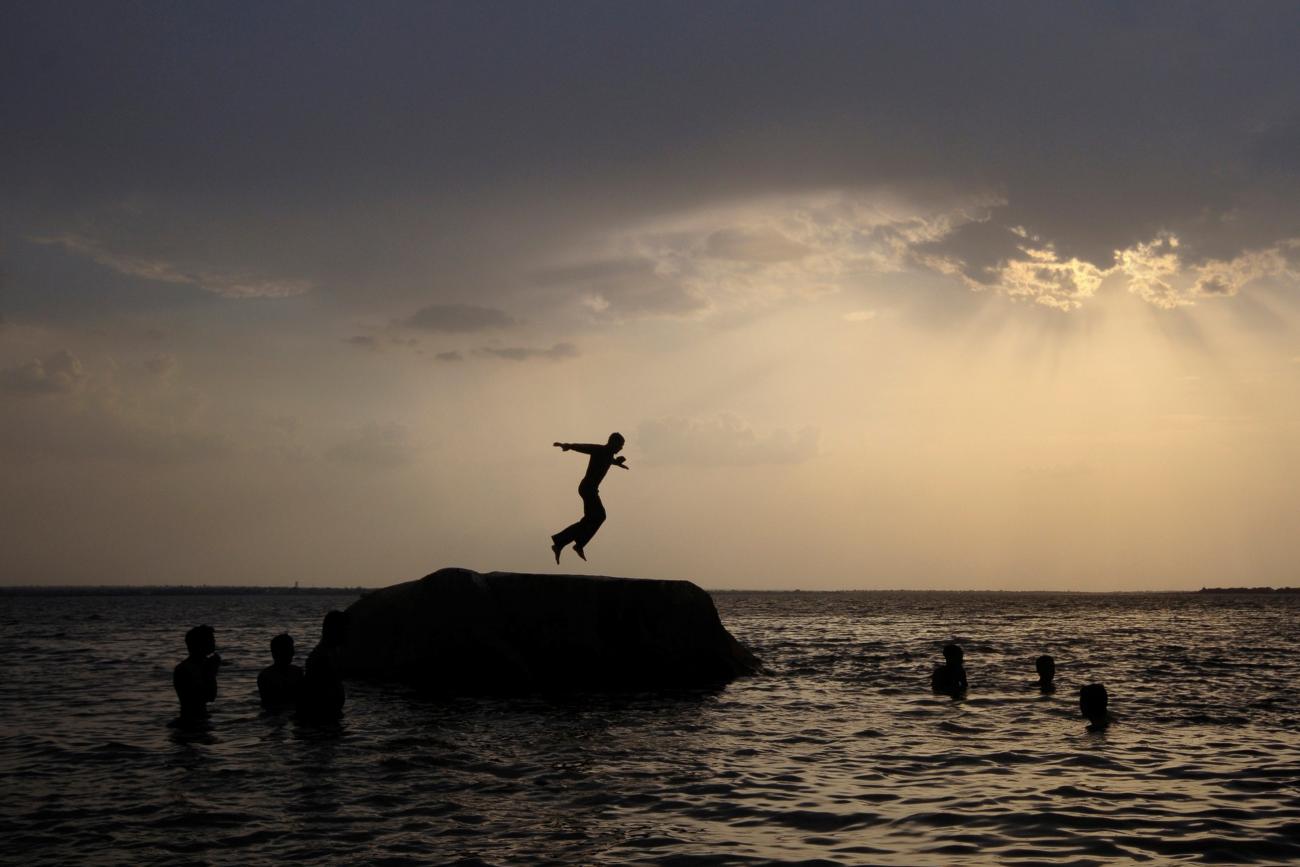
450 355
1213 285
1276 147
722 441
303 165
363 341
458 318
161 364
977 250
58 373
558 352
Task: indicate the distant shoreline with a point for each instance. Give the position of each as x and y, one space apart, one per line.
239 590
178 590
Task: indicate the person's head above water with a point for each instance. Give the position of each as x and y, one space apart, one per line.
282 648
1046 667
616 441
201 640
334 629
1092 703
952 654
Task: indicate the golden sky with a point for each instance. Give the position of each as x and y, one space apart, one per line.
880 297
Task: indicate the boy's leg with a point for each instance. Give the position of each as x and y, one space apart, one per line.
593 516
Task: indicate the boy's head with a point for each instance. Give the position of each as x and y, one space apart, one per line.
1046 667
616 441
952 654
1093 701
201 640
282 648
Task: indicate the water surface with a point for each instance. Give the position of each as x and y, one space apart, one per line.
841 756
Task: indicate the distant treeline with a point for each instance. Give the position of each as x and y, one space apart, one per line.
178 590
1249 590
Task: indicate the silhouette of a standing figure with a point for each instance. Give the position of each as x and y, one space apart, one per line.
195 676
278 684
950 678
322 694
1093 701
1046 673
593 511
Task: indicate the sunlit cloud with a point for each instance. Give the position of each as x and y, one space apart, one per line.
757 253
1044 278
225 284
458 318
1157 271
1018 264
1153 269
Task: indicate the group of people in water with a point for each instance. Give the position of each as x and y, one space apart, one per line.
315 693
950 679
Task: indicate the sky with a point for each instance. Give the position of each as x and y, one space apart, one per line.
882 295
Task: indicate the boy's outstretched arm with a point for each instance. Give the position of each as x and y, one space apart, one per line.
584 448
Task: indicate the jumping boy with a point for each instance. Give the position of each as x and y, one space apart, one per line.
593 511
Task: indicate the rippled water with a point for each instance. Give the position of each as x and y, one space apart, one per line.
841 756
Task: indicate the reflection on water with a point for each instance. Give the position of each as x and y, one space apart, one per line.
842 755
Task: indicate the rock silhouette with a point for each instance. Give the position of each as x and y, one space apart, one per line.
460 631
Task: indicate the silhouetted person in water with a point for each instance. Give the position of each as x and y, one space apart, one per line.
950 678
322 693
593 511
1046 667
195 676
1092 704
280 683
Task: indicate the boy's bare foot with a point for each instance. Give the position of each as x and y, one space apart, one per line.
556 549
578 551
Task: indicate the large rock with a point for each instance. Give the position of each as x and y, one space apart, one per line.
462 631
